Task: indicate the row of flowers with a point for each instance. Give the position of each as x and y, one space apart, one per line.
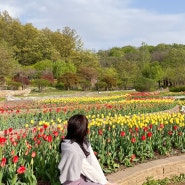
63 101
17 119
32 154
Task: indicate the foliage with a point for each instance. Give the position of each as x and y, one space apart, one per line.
13 85
69 80
7 62
61 67
63 108
62 52
177 89
144 84
44 65
174 180
59 85
48 76
41 84
22 79
100 85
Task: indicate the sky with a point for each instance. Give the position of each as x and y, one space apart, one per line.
103 24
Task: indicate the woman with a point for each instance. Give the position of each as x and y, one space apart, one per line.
78 163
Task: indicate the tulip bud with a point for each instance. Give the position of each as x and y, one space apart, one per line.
31 161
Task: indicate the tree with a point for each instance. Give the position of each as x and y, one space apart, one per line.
44 79
55 54
22 79
174 66
24 75
67 42
40 48
116 52
110 82
131 53
41 84
160 52
71 41
69 80
153 71
109 76
145 56
86 58
89 76
11 30
44 65
48 75
144 84
24 50
61 67
5 26
126 70
7 62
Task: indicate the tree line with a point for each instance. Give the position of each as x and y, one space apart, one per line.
41 58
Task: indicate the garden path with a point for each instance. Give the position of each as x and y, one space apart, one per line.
158 169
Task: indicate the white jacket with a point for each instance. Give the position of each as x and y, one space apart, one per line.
92 169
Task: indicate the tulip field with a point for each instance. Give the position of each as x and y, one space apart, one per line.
123 131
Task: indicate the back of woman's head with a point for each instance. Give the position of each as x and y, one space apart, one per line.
77 128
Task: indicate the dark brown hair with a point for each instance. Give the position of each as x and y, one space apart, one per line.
77 130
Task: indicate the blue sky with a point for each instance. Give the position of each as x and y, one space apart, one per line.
103 24
161 6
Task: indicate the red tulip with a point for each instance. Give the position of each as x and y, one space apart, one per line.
170 133
133 140
55 133
49 138
100 132
143 137
149 134
132 157
122 133
3 162
15 159
136 129
145 129
175 127
2 141
10 129
21 170
45 126
33 154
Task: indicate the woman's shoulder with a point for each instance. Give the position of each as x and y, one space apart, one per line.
67 145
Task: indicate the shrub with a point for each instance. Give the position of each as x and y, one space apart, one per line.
41 84
59 86
12 85
144 84
177 89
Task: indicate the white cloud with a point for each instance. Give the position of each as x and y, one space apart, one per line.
102 24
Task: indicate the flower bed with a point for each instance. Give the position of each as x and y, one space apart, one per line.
17 117
118 136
